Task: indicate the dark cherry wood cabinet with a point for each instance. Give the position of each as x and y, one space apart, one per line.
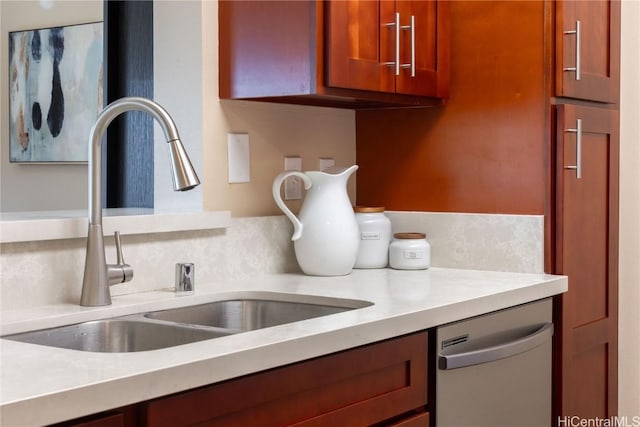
384 383
587 251
358 387
587 47
501 145
588 50
389 46
334 53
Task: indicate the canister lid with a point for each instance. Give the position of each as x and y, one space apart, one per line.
369 209
410 236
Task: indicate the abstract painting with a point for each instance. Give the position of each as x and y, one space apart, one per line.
55 92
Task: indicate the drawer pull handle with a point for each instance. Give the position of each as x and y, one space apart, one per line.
577 67
412 28
396 63
578 131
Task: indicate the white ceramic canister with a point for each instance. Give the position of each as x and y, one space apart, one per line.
409 251
375 236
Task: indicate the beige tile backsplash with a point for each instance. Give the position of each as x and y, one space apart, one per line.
50 272
478 241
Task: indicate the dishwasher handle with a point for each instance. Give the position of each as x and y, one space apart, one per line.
496 352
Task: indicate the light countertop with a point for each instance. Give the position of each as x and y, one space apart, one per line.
42 385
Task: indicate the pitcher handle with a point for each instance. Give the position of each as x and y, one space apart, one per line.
277 183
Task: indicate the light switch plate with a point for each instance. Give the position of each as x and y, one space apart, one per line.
293 184
239 157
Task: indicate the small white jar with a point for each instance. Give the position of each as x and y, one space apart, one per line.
409 251
375 236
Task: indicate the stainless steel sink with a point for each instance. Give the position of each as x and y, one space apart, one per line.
117 335
249 314
168 328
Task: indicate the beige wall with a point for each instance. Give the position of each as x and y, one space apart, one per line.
629 305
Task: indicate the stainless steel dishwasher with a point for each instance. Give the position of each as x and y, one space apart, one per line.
495 370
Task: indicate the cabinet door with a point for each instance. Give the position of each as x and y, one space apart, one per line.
588 49
363 386
418 73
587 251
360 42
392 46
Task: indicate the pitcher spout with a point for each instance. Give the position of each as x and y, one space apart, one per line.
341 170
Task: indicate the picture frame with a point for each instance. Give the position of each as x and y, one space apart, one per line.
55 92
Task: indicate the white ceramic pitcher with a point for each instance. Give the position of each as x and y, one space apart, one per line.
325 233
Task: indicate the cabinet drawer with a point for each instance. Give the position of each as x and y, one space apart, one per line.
362 386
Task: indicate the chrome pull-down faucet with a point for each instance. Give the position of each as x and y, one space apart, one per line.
98 275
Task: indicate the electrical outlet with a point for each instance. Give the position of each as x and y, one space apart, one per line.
293 184
325 163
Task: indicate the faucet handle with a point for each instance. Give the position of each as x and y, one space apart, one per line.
120 258
120 272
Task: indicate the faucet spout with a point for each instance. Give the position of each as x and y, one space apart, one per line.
98 275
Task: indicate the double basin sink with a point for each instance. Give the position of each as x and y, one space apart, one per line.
168 328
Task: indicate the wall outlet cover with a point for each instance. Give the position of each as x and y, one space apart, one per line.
325 163
293 184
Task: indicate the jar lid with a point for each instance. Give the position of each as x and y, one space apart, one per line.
409 235
369 209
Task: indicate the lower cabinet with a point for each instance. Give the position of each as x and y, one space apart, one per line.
358 387
383 383
586 338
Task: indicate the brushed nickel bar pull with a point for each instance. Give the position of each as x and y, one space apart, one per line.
411 27
396 63
578 166
577 67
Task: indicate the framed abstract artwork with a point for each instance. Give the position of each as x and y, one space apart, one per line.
55 92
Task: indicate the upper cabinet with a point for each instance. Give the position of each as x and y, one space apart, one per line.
588 50
355 53
389 46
